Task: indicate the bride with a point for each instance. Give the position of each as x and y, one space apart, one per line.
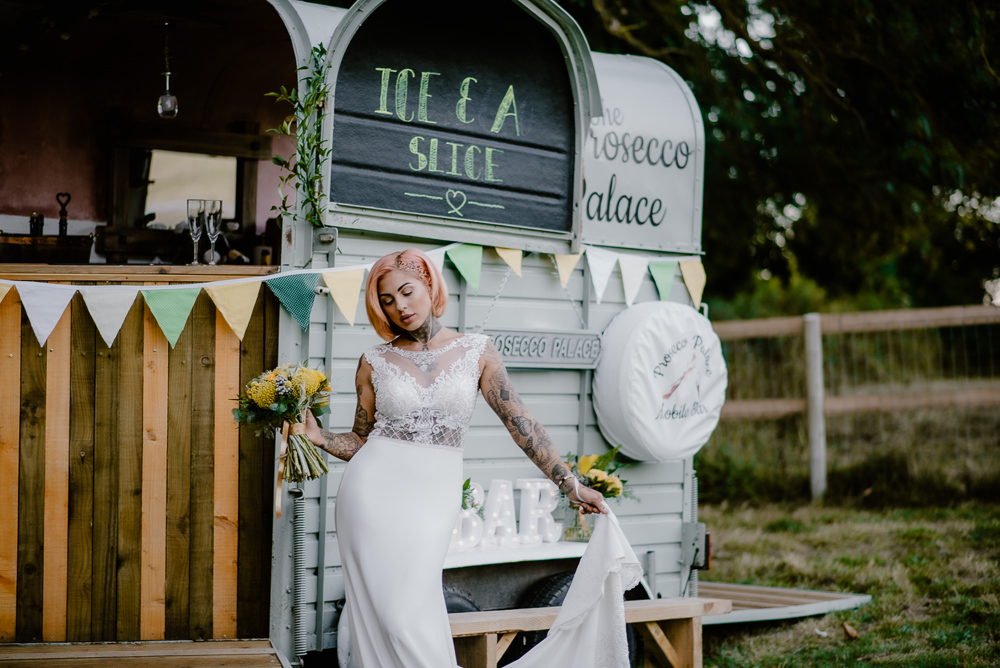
416 395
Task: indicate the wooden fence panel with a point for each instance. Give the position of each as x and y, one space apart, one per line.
227 462
10 429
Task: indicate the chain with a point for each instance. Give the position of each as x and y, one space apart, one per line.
496 298
572 302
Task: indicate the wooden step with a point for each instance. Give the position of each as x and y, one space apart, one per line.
184 654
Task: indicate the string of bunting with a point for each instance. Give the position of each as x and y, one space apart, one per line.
45 303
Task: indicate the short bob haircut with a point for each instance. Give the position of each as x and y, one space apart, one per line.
426 272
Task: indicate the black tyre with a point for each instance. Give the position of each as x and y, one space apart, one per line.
551 591
459 600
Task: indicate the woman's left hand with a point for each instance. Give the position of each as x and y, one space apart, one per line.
590 501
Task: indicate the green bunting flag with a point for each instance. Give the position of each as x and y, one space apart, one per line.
171 309
296 292
663 276
468 259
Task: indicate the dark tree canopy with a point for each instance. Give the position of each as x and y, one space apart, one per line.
854 142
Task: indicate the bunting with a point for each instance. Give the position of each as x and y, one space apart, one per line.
601 262
468 259
512 256
633 268
4 289
296 292
565 264
663 277
345 288
171 309
693 272
44 304
235 302
109 306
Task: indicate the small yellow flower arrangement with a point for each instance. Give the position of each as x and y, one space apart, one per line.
599 473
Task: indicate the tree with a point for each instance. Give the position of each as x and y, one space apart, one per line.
854 140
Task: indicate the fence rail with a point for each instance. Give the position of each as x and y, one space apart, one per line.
813 372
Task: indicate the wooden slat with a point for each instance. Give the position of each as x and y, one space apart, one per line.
477 651
202 467
910 402
918 318
236 661
81 473
10 423
655 637
131 650
56 504
152 620
178 533
129 451
31 516
750 409
729 330
104 609
227 449
503 642
253 563
97 273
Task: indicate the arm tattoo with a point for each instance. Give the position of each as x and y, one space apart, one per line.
346 445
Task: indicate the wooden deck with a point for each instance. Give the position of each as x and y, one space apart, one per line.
189 654
758 604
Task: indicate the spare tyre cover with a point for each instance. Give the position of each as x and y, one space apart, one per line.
660 381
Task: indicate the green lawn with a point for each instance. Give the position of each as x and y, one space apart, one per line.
933 575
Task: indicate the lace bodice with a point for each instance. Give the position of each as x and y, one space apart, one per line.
426 396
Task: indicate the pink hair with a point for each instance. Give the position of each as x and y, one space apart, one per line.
415 262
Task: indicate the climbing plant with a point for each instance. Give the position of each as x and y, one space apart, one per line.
302 169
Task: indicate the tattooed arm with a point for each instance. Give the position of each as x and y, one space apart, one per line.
527 432
346 445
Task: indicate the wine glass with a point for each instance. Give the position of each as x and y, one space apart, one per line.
196 223
213 224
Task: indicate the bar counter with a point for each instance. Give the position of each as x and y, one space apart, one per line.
130 273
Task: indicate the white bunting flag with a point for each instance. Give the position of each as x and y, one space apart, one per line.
436 256
109 306
633 270
565 264
512 256
602 263
345 288
44 304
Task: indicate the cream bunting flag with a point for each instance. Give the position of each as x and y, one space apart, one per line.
345 288
565 264
436 256
633 269
601 262
109 306
235 302
44 304
694 278
512 256
4 289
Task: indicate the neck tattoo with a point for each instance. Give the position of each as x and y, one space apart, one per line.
425 332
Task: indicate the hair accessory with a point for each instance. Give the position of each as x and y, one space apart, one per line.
414 268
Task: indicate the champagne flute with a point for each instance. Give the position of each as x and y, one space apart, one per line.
196 223
213 224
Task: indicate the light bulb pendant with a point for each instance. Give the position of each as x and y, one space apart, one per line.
166 107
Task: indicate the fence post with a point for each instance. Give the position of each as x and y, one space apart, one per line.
814 404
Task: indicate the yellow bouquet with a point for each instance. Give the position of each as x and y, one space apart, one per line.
279 399
599 473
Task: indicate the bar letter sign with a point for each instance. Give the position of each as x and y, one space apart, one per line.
445 110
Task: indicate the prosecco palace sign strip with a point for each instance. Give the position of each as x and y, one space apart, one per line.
434 116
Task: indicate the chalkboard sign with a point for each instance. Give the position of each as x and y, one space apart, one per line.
457 110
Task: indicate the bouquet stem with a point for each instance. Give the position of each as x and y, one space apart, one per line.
302 460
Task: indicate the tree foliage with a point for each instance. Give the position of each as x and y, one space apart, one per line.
854 142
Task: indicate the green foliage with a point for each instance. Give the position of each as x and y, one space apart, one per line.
849 138
304 167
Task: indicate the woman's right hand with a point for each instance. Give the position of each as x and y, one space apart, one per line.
313 432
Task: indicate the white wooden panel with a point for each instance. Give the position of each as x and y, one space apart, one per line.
668 557
651 529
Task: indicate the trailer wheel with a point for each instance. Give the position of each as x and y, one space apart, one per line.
551 591
459 600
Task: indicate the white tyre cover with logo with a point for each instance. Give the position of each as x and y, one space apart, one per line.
660 382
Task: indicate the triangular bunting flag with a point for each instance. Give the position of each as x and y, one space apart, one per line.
663 276
468 259
436 256
633 269
44 304
694 277
235 302
565 264
109 306
512 256
345 288
4 289
171 309
601 262
296 292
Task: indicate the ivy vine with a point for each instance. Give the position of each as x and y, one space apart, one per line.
305 126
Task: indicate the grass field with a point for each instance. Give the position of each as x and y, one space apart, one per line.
933 575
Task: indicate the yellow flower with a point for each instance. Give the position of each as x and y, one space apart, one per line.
584 463
311 378
262 392
597 475
614 486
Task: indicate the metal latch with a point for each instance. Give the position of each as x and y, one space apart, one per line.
695 546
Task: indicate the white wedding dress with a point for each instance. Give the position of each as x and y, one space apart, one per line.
397 505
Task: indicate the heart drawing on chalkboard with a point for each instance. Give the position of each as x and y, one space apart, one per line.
456 200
